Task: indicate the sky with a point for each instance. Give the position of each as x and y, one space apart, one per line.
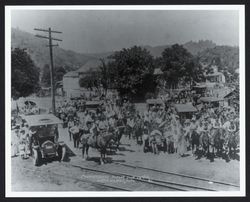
95 31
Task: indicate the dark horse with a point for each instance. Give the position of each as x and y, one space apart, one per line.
116 139
195 142
99 142
205 145
218 140
138 131
233 143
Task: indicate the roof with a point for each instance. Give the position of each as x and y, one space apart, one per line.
200 86
215 74
90 65
93 103
211 99
233 94
42 119
71 74
182 108
158 71
154 101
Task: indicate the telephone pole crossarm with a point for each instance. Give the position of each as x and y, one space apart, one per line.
44 30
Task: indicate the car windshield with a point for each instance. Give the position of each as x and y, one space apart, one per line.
44 130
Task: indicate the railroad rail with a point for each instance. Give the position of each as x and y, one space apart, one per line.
180 175
170 181
150 181
96 184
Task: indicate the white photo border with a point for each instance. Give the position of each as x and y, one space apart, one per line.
10 193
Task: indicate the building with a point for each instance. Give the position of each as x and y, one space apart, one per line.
216 76
90 66
71 86
71 83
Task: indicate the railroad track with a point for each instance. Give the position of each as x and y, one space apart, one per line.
132 178
162 184
208 182
77 179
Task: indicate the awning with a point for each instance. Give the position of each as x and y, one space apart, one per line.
42 119
91 103
183 108
154 101
211 99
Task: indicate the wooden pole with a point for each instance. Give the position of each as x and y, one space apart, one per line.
51 62
52 74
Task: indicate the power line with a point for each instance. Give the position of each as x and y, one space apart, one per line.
50 38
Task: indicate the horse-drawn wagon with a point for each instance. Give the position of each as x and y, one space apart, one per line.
44 142
154 142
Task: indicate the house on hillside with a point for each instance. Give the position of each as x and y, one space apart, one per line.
216 76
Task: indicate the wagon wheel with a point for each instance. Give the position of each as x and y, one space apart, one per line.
36 157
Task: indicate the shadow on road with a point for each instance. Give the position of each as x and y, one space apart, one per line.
125 149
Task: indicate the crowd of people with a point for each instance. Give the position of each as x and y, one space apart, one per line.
207 131
160 126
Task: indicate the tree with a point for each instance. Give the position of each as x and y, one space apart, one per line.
45 80
24 75
59 71
91 81
132 69
178 65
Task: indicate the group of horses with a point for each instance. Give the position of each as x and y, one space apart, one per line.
216 143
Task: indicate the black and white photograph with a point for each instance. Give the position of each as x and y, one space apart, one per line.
125 100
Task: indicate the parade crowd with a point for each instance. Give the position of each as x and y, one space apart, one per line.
156 127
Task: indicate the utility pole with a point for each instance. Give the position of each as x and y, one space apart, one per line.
51 45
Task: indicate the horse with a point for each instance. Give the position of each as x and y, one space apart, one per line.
99 142
116 139
233 143
195 141
204 143
218 140
138 128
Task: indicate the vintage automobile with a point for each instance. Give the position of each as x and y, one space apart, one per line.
44 142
